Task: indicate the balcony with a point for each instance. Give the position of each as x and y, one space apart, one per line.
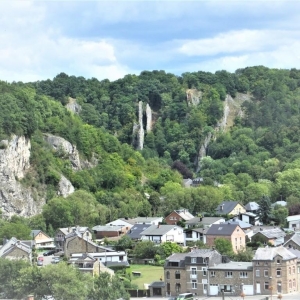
193 276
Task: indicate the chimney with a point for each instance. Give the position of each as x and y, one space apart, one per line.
261 229
222 207
158 225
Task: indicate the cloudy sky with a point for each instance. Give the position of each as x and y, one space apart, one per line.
40 39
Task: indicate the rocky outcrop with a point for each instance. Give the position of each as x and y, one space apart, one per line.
149 118
202 151
14 163
65 187
141 132
193 97
73 106
60 144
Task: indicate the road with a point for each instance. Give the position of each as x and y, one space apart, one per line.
293 296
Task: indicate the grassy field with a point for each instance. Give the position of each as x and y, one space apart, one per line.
148 274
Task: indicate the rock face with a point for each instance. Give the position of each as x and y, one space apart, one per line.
73 106
65 187
193 97
14 162
60 144
149 118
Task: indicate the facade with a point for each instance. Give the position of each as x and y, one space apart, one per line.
163 233
61 233
233 208
293 242
178 215
194 235
275 271
109 231
188 272
232 278
294 222
42 240
230 232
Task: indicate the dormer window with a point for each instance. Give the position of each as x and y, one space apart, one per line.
278 261
194 260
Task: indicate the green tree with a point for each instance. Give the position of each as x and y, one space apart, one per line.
145 249
124 243
168 248
223 246
265 215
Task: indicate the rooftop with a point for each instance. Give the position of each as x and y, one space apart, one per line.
221 229
226 207
268 253
233 265
159 229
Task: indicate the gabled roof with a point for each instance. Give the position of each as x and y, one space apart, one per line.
107 228
134 232
222 229
272 233
194 253
226 207
68 230
251 206
293 218
204 220
34 233
11 245
269 253
295 238
236 221
159 230
184 214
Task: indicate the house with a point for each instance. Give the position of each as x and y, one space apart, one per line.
61 233
108 231
127 222
135 232
273 235
233 208
275 271
232 278
86 263
77 242
42 240
230 232
187 183
242 224
178 215
188 272
293 242
193 235
252 207
108 258
294 222
197 181
204 222
15 249
279 203
123 222
250 218
163 233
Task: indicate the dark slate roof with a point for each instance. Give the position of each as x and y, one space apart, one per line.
295 252
34 233
221 229
136 229
157 284
242 224
228 206
195 253
251 206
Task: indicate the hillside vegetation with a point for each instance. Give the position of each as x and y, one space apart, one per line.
259 155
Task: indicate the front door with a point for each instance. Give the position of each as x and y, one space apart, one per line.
258 288
279 287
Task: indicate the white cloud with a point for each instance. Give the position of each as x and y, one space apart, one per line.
238 41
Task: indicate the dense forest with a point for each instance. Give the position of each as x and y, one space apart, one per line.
258 156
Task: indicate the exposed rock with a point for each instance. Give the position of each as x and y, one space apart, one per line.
60 144
141 132
149 118
73 106
14 162
193 97
202 151
65 187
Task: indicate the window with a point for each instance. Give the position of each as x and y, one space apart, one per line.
171 218
121 258
243 274
278 261
294 282
177 287
290 284
177 275
168 275
278 272
294 269
266 273
298 270
204 271
189 234
265 263
194 284
266 285
290 270
228 274
212 273
257 273
257 263
194 271
194 260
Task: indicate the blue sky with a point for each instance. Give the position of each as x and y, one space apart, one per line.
101 39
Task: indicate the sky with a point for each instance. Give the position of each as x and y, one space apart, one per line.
109 39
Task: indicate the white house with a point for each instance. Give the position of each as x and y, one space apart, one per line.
128 222
194 235
294 222
163 233
121 222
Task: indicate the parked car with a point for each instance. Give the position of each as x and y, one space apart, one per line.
50 252
41 258
55 260
40 263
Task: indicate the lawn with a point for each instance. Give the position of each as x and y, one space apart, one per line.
148 274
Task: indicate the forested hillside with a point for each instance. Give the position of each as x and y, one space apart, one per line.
257 156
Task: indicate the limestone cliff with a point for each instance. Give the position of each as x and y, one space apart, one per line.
65 187
14 163
193 97
73 106
60 144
